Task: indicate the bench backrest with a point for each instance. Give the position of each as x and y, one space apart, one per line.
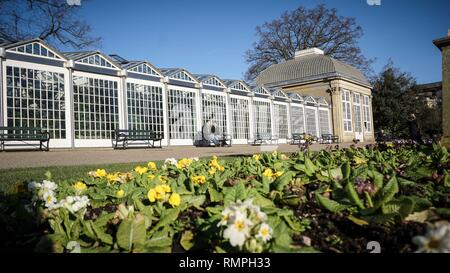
21 132
264 136
297 136
137 134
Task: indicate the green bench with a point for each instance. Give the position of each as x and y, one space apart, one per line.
329 139
297 138
263 138
125 136
24 134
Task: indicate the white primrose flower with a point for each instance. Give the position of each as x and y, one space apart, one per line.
227 214
265 232
73 247
49 185
436 240
194 158
238 231
50 200
170 161
75 203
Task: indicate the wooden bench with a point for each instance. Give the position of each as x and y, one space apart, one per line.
261 139
329 138
125 136
24 134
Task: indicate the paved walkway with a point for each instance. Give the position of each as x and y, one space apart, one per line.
67 157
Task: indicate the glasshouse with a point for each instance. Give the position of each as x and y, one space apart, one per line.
81 98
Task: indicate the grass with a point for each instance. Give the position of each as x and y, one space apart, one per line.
10 179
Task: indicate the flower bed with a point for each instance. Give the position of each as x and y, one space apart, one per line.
328 201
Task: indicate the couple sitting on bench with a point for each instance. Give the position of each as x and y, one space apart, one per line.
212 137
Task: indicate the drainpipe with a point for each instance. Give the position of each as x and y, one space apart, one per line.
70 66
165 81
251 129
272 117
199 108
2 89
123 99
228 110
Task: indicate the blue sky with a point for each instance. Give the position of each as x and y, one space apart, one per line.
212 36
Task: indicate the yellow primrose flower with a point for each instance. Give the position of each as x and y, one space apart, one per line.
257 157
184 163
160 192
141 170
175 200
359 160
152 166
100 173
112 177
268 173
151 176
166 188
151 195
80 186
278 174
212 171
120 193
200 179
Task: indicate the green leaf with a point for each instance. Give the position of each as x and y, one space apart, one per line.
378 179
387 192
336 174
346 170
329 204
214 195
194 200
131 232
282 181
235 193
241 193
353 195
359 222
310 168
186 240
101 235
259 200
168 216
159 239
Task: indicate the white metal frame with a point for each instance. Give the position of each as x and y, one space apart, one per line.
164 142
250 121
197 113
54 143
120 91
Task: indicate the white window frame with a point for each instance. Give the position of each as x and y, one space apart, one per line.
367 114
347 111
249 120
54 143
183 141
101 142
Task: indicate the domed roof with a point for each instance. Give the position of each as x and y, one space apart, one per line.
309 67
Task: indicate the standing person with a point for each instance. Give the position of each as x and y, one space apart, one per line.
414 131
381 136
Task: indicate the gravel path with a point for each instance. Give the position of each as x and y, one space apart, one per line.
67 157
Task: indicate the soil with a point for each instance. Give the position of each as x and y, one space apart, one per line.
334 233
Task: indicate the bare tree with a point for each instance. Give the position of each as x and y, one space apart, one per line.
305 28
52 20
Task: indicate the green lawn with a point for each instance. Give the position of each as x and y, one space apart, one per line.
10 179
